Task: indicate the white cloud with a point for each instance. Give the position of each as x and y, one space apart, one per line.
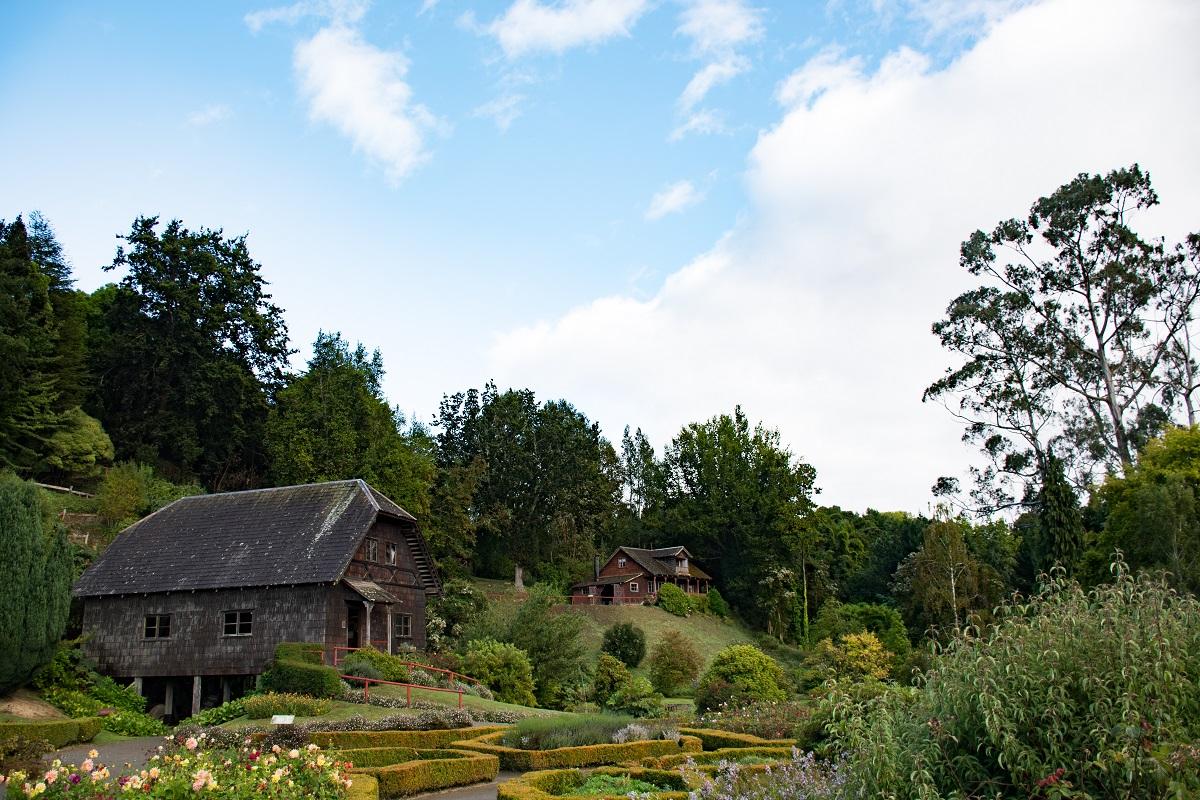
826 70
815 313
673 199
716 29
427 5
360 90
503 110
209 115
531 26
341 12
703 121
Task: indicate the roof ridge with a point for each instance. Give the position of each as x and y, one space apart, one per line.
269 489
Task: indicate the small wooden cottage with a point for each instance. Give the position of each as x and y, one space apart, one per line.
190 602
634 575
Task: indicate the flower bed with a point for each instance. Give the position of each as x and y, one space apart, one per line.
518 760
428 771
418 740
735 755
548 784
58 732
716 740
297 774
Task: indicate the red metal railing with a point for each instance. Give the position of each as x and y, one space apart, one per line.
451 674
366 682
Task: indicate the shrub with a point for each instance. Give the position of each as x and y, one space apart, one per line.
133 723
301 677
310 652
1077 693
261 706
838 619
615 785
674 664
58 732
740 673
357 737
603 782
766 720
504 668
554 645
575 730
517 759
432 770
625 641
716 603
360 668
21 754
218 714
636 697
673 600
855 656
802 777
610 676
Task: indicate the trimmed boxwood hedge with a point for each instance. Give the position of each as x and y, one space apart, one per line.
58 732
517 760
343 740
432 770
363 787
715 739
716 756
301 677
549 784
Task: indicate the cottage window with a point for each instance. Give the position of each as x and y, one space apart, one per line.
404 626
238 623
633 588
389 553
158 626
591 591
372 550
620 563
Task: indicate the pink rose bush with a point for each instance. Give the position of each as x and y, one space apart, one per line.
188 769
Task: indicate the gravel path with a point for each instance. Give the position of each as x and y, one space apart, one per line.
114 754
480 791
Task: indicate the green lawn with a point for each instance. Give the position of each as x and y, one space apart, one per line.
340 711
469 700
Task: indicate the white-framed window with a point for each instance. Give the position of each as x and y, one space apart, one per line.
591 591
633 588
389 553
404 626
239 623
620 563
158 626
371 550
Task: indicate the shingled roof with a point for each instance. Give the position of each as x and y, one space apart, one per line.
651 561
262 537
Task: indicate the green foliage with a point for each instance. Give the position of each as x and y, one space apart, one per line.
300 677
1092 693
637 698
674 664
79 448
626 642
573 730
610 676
388 667
35 584
217 715
614 785
553 644
739 674
58 732
433 770
131 491
447 616
133 723
504 668
835 620
716 603
22 754
192 350
673 600
631 749
310 652
261 706
771 721
854 656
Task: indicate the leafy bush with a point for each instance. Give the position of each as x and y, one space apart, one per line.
740 673
611 675
554 645
504 668
838 619
1077 693
459 603
310 652
674 664
217 715
716 603
133 723
261 706
673 600
636 697
58 732
360 668
21 754
113 695
300 677
388 667
855 656
784 720
615 785
625 641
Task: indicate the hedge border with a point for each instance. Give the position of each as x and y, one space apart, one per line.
716 756
426 774
714 739
363 787
58 732
547 784
592 755
417 740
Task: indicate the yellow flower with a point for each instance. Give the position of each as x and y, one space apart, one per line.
41 787
93 753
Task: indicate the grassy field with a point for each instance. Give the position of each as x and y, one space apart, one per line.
340 711
451 700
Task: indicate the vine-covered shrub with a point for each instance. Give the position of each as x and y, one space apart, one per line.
626 642
1077 693
674 664
740 674
261 706
504 668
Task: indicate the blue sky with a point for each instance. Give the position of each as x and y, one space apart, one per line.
471 186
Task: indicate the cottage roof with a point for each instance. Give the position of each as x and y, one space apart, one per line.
371 591
262 537
608 579
651 561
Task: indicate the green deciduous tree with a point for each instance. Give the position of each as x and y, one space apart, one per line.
674 663
625 641
553 642
35 583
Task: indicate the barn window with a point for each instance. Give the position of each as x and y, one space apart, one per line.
238 623
158 626
633 588
389 553
404 626
620 562
372 550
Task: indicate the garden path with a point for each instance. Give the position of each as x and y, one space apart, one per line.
114 754
480 791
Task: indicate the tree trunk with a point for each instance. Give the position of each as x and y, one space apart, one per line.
519 577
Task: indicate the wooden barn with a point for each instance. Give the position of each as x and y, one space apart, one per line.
634 575
190 602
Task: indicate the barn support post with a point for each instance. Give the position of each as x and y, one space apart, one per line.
169 700
195 695
368 605
389 628
225 690
137 685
